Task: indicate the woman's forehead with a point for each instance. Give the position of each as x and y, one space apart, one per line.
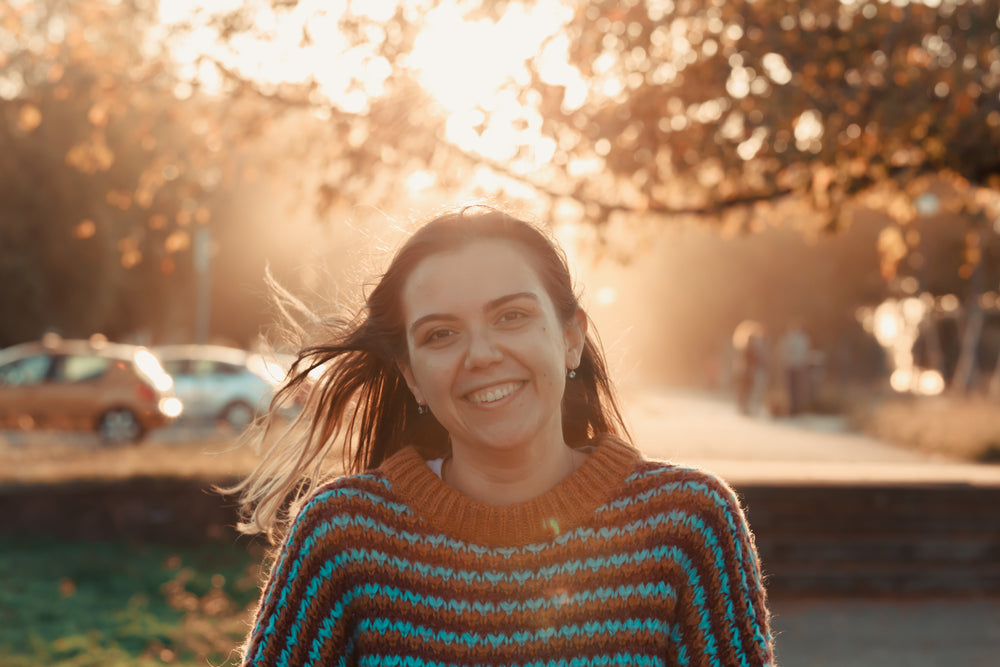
470 276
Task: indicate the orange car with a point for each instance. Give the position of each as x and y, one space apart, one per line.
120 391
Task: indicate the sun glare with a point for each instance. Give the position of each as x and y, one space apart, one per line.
896 325
274 51
462 63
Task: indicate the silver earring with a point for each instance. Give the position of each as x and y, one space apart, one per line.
571 373
421 409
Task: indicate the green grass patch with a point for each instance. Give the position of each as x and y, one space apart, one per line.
114 604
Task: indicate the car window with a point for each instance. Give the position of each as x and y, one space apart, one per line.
210 367
202 367
26 371
81 367
175 366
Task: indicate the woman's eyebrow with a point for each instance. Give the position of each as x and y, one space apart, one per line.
492 304
500 301
429 318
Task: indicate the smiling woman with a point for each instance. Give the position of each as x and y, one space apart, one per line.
489 358
495 512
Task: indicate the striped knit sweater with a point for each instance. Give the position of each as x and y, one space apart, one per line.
626 562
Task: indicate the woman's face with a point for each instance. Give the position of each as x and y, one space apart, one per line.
487 352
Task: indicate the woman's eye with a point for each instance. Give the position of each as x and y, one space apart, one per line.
438 335
512 316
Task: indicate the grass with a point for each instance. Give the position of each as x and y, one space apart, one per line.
117 604
89 604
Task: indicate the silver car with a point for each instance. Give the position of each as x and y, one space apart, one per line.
218 383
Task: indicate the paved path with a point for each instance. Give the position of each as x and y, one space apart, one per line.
824 631
859 632
707 431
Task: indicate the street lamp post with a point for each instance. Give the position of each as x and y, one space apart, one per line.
202 255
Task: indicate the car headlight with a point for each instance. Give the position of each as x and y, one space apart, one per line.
171 407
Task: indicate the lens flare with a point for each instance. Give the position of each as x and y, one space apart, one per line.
896 325
171 407
147 362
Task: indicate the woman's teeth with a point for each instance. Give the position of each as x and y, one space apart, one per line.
494 394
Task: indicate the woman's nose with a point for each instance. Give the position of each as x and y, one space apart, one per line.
482 350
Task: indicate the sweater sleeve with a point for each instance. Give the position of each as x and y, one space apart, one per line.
303 611
721 616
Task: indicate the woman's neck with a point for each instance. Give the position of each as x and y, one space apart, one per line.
506 479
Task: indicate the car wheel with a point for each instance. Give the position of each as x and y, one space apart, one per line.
119 425
238 415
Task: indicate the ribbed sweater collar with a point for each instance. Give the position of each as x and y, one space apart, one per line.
562 508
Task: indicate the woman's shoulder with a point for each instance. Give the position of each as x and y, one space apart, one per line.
665 470
676 484
360 493
656 476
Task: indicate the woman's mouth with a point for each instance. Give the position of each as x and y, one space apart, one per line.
494 393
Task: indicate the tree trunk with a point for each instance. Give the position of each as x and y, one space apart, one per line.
972 332
932 341
994 389
966 365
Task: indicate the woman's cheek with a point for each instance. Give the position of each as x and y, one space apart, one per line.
437 367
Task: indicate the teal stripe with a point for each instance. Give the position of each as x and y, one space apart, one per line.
496 641
643 498
574 567
680 649
500 640
650 593
616 660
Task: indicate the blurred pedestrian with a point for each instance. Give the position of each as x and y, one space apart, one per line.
795 350
751 362
494 511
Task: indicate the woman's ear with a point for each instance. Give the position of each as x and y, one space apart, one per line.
404 369
576 338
